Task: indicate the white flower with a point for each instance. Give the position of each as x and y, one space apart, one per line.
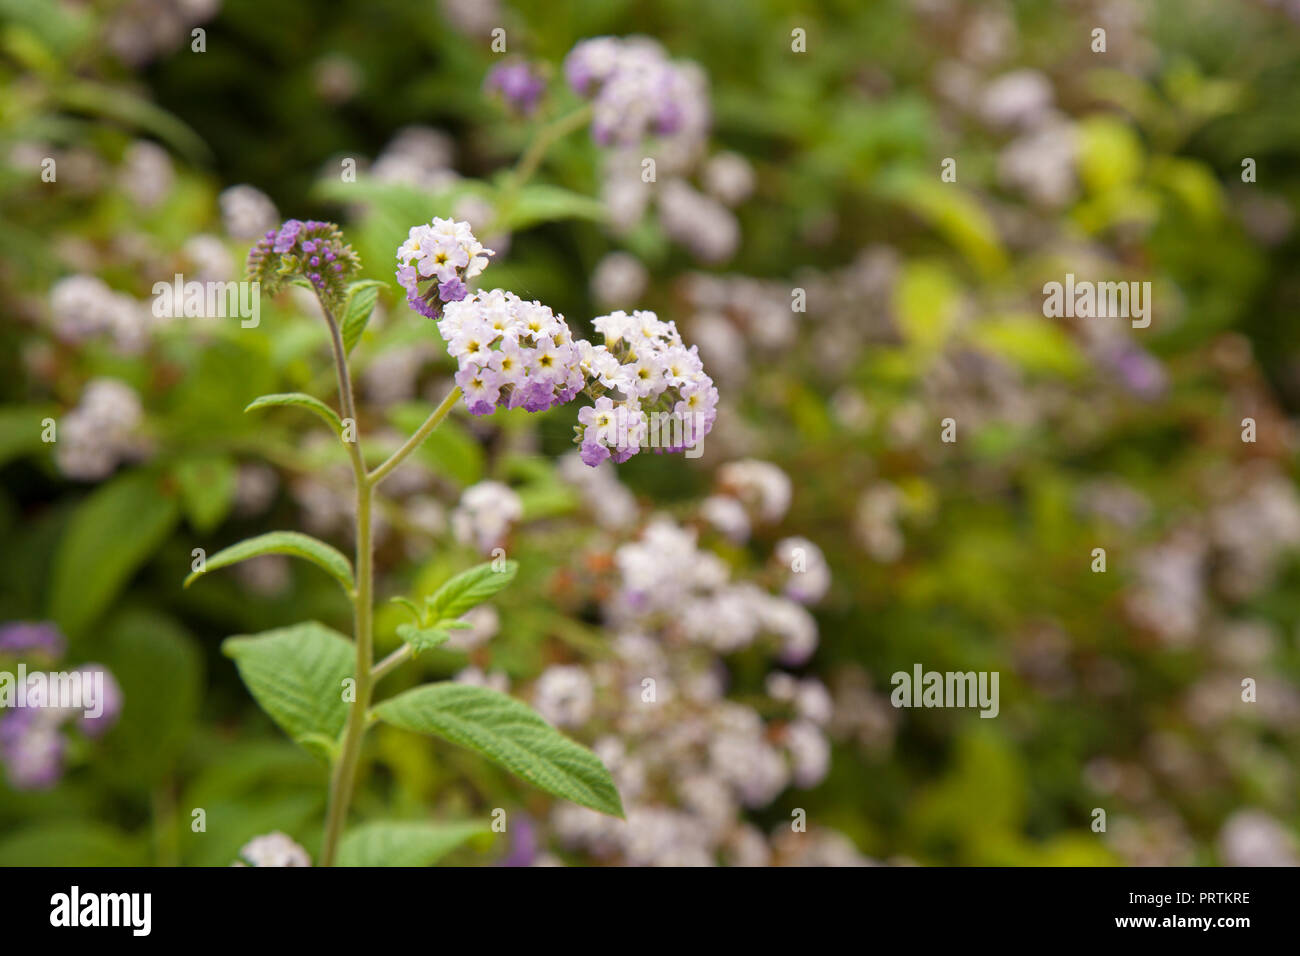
485 515
564 696
273 849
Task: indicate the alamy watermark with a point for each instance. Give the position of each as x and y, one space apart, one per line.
1098 300
62 690
208 300
923 688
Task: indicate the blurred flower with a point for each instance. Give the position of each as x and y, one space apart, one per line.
1253 838
485 515
808 575
564 696
101 432
273 849
729 178
21 638
700 223
619 279
146 173
636 90
519 85
760 485
246 212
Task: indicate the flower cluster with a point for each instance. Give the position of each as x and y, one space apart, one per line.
510 353
314 251
445 252
101 432
519 85
666 399
636 90
33 744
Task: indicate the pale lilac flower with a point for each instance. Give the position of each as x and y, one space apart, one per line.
247 212
564 695
619 279
809 576
101 432
729 178
760 485
110 704
485 514
510 353
666 400
272 849
446 252
636 90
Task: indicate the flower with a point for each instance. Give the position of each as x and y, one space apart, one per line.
636 90
564 695
100 432
311 250
272 849
666 399
519 85
246 212
445 251
22 637
485 514
510 353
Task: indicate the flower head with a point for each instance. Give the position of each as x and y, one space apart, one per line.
443 254
310 250
636 91
519 85
664 397
510 353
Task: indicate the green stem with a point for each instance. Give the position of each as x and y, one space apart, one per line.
389 663
414 442
343 778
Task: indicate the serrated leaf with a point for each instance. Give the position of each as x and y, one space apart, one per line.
119 525
410 606
468 589
292 543
510 733
296 675
398 843
423 638
302 400
356 312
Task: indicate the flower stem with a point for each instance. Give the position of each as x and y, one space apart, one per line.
424 431
390 663
548 135
345 768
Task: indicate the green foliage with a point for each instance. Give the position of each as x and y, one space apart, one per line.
400 843
510 733
293 543
297 674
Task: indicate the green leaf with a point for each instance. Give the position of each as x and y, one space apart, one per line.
20 429
356 312
468 590
505 730
207 486
545 203
330 416
296 674
147 651
398 843
111 534
70 843
292 543
423 638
